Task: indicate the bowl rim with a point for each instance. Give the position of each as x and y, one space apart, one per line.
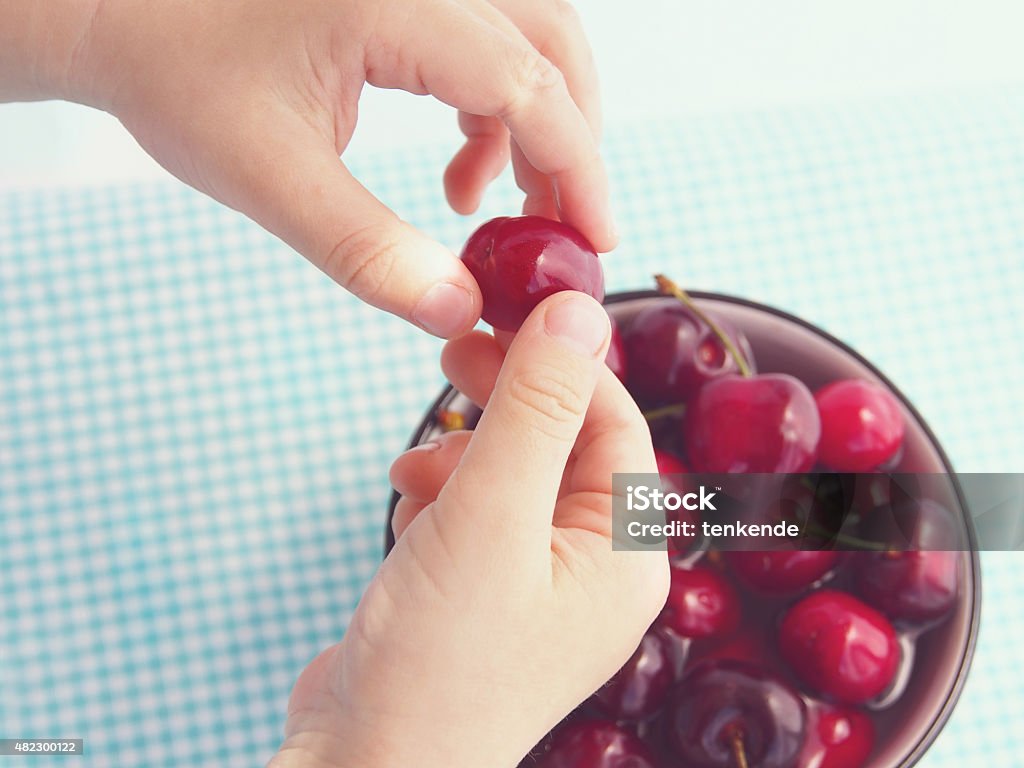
931 733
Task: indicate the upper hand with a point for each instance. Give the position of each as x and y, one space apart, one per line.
253 101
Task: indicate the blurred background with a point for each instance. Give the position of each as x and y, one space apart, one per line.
658 59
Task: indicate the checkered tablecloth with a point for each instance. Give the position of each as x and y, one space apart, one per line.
195 424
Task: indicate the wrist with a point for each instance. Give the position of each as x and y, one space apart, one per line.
44 49
323 749
342 749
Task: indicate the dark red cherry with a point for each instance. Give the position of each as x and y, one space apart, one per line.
838 738
533 757
915 523
667 435
597 744
670 464
616 357
766 423
672 353
746 644
910 586
518 262
671 467
639 689
839 646
779 572
861 425
919 578
701 603
725 708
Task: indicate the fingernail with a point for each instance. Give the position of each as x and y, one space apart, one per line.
444 310
427 447
579 322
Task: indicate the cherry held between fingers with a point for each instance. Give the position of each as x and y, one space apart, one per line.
520 261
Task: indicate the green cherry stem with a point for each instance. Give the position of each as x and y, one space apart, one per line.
854 542
666 286
676 409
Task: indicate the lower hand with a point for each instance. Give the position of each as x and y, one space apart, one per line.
503 604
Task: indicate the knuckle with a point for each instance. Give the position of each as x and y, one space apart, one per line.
548 394
363 261
561 37
565 16
375 612
531 75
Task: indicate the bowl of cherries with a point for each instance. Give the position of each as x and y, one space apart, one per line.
841 655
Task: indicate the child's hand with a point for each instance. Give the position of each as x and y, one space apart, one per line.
503 604
252 101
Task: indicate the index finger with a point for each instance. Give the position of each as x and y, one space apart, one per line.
484 70
614 436
615 439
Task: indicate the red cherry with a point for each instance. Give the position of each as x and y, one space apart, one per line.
914 522
531 758
726 713
766 423
919 578
667 434
672 353
839 646
701 603
781 571
861 425
518 262
911 586
616 357
746 644
639 689
838 738
597 744
669 464
670 467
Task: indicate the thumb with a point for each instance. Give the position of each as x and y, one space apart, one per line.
305 195
505 488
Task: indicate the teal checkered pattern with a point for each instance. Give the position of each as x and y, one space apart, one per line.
196 425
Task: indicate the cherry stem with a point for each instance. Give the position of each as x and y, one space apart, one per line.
666 286
738 750
854 542
676 409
